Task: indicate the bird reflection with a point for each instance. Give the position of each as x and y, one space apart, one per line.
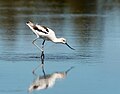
47 80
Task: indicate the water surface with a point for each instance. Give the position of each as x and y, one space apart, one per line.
92 28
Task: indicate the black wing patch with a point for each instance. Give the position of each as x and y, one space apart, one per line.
36 28
45 28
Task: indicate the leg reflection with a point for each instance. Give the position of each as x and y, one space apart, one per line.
43 70
41 65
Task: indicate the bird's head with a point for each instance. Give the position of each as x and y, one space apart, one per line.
64 41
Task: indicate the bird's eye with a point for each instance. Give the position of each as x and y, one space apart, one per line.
63 40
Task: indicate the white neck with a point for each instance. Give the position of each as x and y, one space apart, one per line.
57 40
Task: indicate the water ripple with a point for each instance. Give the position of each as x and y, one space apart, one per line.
35 57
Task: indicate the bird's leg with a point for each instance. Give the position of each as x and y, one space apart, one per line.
43 45
42 57
36 44
42 54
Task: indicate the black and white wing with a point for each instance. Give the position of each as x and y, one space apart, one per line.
40 28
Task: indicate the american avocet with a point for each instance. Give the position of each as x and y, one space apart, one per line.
46 34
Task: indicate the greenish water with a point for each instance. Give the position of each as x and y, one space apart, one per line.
91 27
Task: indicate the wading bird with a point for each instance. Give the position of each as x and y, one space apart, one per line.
46 34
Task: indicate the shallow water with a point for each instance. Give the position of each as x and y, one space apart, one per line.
92 28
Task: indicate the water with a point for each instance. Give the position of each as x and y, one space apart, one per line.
92 28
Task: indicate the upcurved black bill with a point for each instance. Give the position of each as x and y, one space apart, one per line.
69 46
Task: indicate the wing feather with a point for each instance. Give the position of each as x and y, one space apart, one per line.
42 29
